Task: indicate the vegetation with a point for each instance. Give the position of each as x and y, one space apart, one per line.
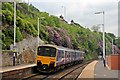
53 30
95 28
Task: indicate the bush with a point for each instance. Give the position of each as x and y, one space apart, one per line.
7 42
20 23
8 16
8 6
18 35
32 29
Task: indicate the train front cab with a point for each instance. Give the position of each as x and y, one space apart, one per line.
46 58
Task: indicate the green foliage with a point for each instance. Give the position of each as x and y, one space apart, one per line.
18 34
8 6
33 9
20 23
6 42
8 32
8 16
24 6
44 35
32 30
117 42
27 20
90 56
75 44
111 35
51 20
55 20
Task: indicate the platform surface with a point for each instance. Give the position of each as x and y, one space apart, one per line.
104 72
88 71
96 70
17 67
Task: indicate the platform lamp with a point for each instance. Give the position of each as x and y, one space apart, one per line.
14 46
38 27
64 10
104 61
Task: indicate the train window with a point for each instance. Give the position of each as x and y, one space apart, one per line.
46 51
59 53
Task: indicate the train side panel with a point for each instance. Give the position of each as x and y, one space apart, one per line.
67 57
60 58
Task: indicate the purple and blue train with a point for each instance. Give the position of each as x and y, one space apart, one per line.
52 57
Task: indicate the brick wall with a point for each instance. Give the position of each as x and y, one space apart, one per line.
113 61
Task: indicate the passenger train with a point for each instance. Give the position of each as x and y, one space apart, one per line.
52 57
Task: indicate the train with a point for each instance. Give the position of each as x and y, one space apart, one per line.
50 58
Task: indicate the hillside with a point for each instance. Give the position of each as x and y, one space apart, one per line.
53 30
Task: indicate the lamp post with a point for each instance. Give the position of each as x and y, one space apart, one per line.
28 5
64 11
38 27
38 31
14 47
103 38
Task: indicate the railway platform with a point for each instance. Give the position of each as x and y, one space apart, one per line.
16 72
17 67
96 70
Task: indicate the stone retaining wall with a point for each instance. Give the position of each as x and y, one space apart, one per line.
25 52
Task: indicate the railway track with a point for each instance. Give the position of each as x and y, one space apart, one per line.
37 76
71 73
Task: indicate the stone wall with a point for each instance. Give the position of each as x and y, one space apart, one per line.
7 58
25 52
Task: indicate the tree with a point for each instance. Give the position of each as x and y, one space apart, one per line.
117 42
19 35
8 16
95 28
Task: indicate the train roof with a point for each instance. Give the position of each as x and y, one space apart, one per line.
62 48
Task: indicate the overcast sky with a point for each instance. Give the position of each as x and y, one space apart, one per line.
82 11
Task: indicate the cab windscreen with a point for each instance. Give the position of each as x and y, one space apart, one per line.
46 51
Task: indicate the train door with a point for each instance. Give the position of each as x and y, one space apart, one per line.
72 56
59 57
69 56
75 56
63 56
66 57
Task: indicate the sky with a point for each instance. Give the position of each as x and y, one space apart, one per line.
82 11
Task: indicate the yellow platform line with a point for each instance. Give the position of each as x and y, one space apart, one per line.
88 71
